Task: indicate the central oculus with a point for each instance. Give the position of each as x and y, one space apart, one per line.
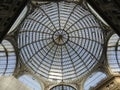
60 37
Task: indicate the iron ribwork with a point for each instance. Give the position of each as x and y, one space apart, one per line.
60 41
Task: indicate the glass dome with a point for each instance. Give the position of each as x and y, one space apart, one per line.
60 41
7 58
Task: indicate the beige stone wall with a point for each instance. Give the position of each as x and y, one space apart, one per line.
11 83
112 83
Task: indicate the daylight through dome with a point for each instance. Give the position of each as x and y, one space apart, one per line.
7 58
60 41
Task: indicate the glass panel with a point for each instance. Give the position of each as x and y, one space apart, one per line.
30 82
7 58
60 36
93 80
113 53
63 87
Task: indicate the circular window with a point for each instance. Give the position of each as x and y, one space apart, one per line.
63 87
7 58
60 41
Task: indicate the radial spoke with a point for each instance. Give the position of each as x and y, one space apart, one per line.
70 16
33 42
78 21
35 32
72 63
84 49
62 62
83 28
45 55
53 59
86 39
48 18
85 66
40 23
58 15
38 51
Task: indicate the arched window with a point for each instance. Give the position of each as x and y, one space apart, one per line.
30 82
63 87
94 79
113 53
7 58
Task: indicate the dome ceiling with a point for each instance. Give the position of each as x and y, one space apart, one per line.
60 41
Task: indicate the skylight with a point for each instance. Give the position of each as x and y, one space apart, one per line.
62 87
93 80
7 58
30 82
60 41
113 53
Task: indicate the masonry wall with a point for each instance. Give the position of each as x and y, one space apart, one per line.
11 83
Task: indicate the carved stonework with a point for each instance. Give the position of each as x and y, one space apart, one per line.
111 83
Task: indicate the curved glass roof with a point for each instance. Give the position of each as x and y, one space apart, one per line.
7 58
63 87
60 41
113 53
30 82
93 80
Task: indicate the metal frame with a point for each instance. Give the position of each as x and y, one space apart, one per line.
94 79
63 87
56 61
113 53
7 65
